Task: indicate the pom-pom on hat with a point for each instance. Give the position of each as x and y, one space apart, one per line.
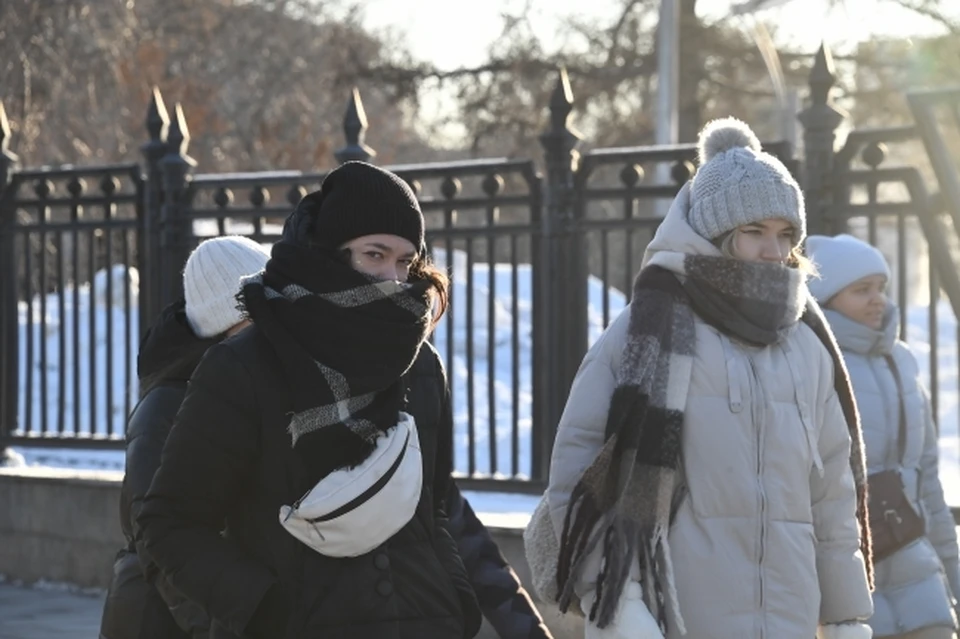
737 183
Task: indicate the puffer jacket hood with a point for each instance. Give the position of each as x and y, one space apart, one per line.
166 342
858 338
675 233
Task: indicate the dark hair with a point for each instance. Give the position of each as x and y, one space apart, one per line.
425 270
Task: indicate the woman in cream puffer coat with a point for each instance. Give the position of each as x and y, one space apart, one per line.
915 584
762 540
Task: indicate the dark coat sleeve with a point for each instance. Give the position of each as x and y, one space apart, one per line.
147 432
212 450
146 435
503 600
443 467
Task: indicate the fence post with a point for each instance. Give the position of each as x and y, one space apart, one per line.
176 229
560 331
355 130
9 316
820 121
148 242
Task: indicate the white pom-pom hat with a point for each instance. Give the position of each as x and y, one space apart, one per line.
737 183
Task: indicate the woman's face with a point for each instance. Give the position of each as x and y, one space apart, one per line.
864 301
763 241
384 257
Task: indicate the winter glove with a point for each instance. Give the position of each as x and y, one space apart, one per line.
631 621
854 630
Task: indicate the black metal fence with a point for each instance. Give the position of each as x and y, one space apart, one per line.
540 263
70 247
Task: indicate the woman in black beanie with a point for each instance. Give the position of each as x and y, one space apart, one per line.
296 438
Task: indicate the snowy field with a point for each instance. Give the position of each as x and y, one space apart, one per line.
94 344
121 351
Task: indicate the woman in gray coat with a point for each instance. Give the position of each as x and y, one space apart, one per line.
707 478
915 542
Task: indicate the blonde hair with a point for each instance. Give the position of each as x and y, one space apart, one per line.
795 259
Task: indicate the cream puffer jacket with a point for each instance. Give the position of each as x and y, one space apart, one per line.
766 543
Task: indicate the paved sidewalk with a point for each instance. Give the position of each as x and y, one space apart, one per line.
57 613
49 612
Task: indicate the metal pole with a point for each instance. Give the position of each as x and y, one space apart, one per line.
668 81
788 114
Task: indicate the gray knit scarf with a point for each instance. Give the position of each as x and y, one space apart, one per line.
627 497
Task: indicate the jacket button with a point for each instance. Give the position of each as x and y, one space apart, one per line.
385 588
382 562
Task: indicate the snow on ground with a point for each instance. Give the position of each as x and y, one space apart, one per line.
482 361
93 329
498 363
948 385
502 510
475 330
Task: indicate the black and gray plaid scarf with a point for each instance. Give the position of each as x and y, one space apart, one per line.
344 341
627 497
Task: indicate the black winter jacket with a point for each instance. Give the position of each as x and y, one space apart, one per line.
228 460
502 598
136 607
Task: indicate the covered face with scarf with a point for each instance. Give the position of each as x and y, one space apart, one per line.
311 390
707 478
339 305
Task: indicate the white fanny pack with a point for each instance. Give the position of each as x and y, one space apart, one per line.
352 511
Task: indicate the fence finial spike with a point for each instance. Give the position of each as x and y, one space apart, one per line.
157 119
178 137
560 140
355 120
354 131
823 71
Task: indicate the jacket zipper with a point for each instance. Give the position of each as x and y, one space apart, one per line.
757 412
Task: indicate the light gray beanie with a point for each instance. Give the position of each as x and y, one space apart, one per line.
841 261
211 281
737 183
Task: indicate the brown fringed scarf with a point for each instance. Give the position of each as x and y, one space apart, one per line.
626 499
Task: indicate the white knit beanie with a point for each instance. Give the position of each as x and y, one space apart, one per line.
738 184
841 261
211 281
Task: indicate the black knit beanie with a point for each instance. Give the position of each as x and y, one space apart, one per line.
358 199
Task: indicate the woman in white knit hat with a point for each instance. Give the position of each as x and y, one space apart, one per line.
139 607
914 538
703 482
